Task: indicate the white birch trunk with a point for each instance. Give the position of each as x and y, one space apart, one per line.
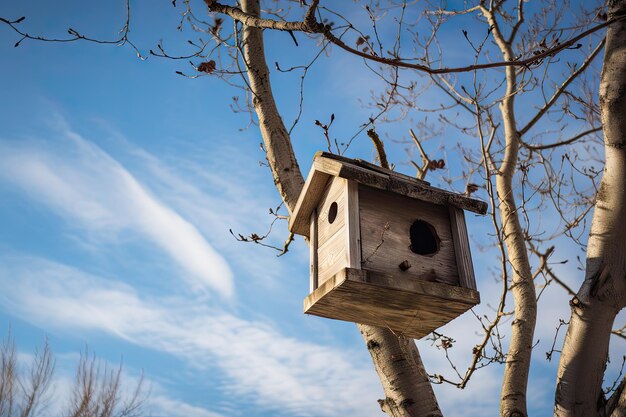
515 380
603 292
280 155
517 367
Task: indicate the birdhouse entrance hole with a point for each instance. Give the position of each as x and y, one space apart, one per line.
424 239
332 212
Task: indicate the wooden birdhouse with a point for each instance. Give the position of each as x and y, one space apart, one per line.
386 249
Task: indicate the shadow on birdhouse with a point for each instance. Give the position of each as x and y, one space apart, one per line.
386 249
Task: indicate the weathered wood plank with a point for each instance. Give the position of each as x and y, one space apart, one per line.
334 194
313 245
386 219
307 202
364 164
436 289
357 296
462 248
393 181
332 256
350 172
326 165
353 226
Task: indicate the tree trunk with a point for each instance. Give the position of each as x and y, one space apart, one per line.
280 156
408 391
619 408
603 292
516 370
515 381
406 385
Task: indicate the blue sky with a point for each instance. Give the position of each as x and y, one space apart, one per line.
119 182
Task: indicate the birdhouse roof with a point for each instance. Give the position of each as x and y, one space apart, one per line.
327 165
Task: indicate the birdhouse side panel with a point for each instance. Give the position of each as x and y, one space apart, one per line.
332 253
462 248
405 237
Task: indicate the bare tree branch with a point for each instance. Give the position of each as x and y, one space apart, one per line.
563 142
310 25
75 35
380 148
563 87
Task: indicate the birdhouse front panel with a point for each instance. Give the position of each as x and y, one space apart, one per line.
406 237
386 249
332 221
332 251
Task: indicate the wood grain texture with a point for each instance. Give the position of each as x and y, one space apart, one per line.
444 292
381 178
332 256
307 202
462 248
335 192
314 276
326 165
411 310
384 250
367 165
332 238
353 225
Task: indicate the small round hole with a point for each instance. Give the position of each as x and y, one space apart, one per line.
332 212
424 239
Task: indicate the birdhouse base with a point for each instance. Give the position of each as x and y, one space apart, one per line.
410 308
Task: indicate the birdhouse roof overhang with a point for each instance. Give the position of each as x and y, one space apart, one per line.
327 165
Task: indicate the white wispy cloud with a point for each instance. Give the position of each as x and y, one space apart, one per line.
85 185
163 405
218 191
258 362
